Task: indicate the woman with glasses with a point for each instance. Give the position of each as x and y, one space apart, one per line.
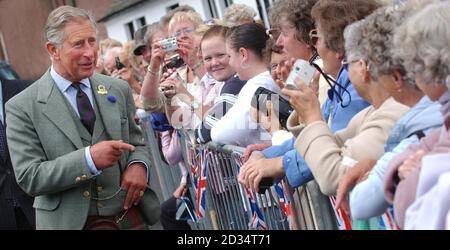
417 180
342 104
329 156
423 116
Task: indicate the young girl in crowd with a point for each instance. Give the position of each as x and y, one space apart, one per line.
246 46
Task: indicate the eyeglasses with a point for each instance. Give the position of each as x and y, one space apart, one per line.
184 31
346 62
314 37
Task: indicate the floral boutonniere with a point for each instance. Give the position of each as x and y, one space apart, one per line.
112 98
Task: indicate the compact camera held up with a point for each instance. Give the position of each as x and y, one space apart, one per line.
301 69
281 106
173 62
119 64
169 44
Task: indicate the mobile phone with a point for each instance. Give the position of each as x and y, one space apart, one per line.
119 64
169 44
301 69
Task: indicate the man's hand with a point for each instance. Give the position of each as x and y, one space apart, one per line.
135 181
254 147
107 153
255 169
353 176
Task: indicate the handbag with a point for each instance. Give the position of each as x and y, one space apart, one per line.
159 122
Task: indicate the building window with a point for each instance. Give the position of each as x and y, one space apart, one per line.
212 9
171 7
263 10
58 3
140 22
228 3
129 27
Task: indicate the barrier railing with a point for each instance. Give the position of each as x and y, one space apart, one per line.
222 203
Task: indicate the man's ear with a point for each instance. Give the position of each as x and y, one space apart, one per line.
52 50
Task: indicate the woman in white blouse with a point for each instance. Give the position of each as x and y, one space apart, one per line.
246 46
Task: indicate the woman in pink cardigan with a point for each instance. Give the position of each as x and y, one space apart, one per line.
423 41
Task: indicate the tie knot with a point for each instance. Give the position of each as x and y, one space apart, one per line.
77 86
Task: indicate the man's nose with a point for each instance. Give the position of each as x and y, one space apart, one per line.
90 50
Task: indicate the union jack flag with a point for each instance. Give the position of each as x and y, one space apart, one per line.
257 220
342 218
286 205
387 221
200 183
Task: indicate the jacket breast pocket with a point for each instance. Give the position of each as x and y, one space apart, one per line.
47 202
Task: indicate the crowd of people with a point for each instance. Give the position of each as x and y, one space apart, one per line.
371 126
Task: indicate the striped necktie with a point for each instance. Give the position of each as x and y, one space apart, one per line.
87 114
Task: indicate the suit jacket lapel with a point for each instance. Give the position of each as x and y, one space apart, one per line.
109 111
56 109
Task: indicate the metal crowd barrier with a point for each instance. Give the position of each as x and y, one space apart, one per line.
227 204
164 178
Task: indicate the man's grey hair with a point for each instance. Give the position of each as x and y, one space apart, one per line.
353 36
423 42
57 20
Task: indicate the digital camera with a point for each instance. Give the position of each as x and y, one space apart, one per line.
173 62
169 44
303 70
119 64
283 109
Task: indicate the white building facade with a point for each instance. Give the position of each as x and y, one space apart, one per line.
121 25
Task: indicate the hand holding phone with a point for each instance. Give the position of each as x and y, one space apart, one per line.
301 69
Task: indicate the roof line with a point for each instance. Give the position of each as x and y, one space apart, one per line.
109 15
